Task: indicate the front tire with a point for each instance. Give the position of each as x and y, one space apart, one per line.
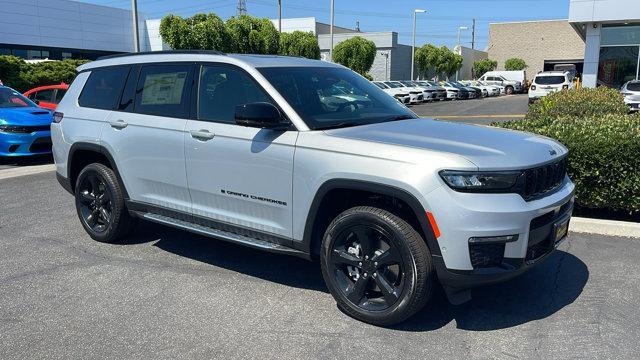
100 204
376 266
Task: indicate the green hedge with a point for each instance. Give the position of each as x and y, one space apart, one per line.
603 142
579 103
16 73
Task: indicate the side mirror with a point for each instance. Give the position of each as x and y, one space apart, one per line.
259 115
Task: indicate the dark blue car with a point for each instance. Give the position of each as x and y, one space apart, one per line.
25 128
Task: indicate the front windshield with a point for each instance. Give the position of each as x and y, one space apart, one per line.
10 98
381 86
407 83
393 85
328 97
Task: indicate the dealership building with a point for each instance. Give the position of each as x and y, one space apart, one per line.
611 32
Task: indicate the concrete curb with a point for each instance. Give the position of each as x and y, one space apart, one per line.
27 170
605 227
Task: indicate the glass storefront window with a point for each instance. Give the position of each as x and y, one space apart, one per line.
618 64
620 35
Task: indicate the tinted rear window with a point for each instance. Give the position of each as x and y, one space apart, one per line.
550 80
164 90
103 88
634 86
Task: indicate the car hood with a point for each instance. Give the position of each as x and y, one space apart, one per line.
487 147
25 116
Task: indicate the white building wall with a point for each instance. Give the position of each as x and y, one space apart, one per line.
67 24
583 11
591 57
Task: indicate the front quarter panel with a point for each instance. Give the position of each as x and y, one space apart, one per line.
320 158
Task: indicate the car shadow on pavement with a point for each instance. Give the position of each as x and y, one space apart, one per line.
541 292
26 160
277 268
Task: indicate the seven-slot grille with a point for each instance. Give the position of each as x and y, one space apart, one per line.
544 179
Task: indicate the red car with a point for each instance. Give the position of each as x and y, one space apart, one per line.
47 96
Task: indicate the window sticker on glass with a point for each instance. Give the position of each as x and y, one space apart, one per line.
163 89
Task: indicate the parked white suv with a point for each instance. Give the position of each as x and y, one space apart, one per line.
253 150
510 86
631 93
549 82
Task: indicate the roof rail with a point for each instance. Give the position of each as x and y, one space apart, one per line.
202 52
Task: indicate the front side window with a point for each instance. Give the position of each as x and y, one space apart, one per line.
163 90
550 80
103 87
327 97
221 89
10 98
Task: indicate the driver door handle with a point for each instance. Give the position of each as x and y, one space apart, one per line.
120 124
202 135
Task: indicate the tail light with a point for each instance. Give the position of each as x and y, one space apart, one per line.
57 117
533 87
565 87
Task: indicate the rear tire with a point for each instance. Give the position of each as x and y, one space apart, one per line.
376 266
508 90
100 204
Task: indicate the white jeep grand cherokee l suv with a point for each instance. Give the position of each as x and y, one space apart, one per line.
254 150
549 82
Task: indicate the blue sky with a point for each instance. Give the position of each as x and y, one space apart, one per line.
438 26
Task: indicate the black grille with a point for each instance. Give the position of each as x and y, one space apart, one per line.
41 145
19 129
544 179
486 255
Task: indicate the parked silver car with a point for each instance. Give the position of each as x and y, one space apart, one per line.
264 152
631 92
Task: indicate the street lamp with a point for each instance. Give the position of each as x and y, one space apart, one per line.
460 29
331 31
413 48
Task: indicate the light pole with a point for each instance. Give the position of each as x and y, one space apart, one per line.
136 36
331 31
460 46
413 47
279 15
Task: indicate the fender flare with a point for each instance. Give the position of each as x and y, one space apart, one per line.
425 230
87 146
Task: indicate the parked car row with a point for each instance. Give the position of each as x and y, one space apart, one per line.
416 92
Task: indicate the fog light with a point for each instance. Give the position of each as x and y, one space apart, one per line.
493 239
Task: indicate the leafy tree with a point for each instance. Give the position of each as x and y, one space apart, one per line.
515 64
439 61
480 67
12 72
356 53
299 43
21 76
199 32
250 35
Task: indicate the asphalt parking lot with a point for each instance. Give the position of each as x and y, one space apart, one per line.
477 111
170 294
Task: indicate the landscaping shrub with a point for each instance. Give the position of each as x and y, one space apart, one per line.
16 73
578 103
604 150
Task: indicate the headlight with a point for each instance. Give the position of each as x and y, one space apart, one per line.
467 181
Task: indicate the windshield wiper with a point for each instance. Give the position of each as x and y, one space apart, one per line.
398 117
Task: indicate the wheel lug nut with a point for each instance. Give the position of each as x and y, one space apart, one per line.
375 274
366 257
365 274
375 263
360 264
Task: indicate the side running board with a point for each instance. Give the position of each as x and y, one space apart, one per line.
223 235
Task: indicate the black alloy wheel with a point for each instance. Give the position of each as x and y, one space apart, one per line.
367 266
100 204
95 203
377 267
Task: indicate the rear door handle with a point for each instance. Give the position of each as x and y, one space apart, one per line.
120 124
202 135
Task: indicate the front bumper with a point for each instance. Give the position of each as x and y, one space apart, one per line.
18 144
463 216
